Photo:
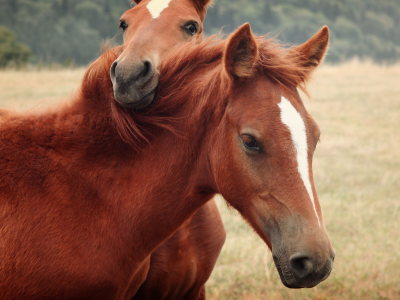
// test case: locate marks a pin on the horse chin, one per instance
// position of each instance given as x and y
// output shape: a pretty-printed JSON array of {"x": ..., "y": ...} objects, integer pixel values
[
  {"x": 286, "y": 282},
  {"x": 291, "y": 283},
  {"x": 142, "y": 103}
]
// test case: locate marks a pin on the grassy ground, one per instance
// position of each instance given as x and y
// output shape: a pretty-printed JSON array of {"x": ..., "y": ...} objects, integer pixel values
[
  {"x": 357, "y": 176},
  {"x": 22, "y": 90}
]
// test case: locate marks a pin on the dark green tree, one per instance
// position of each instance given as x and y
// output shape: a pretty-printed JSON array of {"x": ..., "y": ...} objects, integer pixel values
[{"x": 11, "y": 52}]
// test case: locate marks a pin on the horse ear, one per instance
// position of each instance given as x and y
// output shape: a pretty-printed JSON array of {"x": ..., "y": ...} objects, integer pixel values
[
  {"x": 240, "y": 53},
  {"x": 312, "y": 52},
  {"x": 202, "y": 3},
  {"x": 201, "y": 7}
]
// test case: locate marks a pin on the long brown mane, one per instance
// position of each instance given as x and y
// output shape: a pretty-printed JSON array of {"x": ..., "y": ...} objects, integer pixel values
[
  {"x": 96, "y": 83},
  {"x": 189, "y": 73},
  {"x": 281, "y": 64}
]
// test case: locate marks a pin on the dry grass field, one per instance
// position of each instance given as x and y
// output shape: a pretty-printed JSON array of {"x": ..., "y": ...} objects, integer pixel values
[{"x": 357, "y": 176}]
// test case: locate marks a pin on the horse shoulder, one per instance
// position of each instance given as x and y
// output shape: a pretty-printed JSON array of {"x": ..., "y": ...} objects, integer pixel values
[
  {"x": 208, "y": 235},
  {"x": 181, "y": 265}
]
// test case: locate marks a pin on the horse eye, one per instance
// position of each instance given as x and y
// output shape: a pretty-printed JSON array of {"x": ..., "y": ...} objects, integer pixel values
[
  {"x": 123, "y": 25},
  {"x": 250, "y": 142},
  {"x": 191, "y": 28}
]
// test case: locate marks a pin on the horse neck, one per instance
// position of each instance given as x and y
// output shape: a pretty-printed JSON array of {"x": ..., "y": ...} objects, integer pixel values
[
  {"x": 80, "y": 129},
  {"x": 173, "y": 175},
  {"x": 83, "y": 128}
]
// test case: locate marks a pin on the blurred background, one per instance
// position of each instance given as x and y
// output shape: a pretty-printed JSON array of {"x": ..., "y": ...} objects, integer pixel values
[
  {"x": 355, "y": 101},
  {"x": 71, "y": 31}
]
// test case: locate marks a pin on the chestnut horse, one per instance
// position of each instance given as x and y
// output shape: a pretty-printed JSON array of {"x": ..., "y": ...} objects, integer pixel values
[
  {"x": 81, "y": 212},
  {"x": 152, "y": 28}
]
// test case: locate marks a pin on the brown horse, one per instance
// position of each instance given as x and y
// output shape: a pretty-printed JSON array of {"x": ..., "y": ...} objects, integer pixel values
[
  {"x": 269, "y": 181},
  {"x": 192, "y": 251},
  {"x": 80, "y": 212}
]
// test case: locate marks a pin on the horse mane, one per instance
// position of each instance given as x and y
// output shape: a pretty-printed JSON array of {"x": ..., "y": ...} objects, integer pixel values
[
  {"x": 283, "y": 65},
  {"x": 280, "y": 64},
  {"x": 96, "y": 82},
  {"x": 97, "y": 88}
]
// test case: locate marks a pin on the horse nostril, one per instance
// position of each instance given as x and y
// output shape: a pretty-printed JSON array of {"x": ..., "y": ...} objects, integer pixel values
[
  {"x": 146, "y": 73},
  {"x": 147, "y": 66},
  {"x": 112, "y": 72},
  {"x": 301, "y": 264}
]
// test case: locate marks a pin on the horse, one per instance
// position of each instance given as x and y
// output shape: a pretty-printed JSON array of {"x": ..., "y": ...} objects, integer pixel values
[
  {"x": 279, "y": 140},
  {"x": 81, "y": 212},
  {"x": 192, "y": 251}
]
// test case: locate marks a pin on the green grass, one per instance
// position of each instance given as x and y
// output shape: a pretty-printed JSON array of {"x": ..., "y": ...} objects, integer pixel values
[{"x": 356, "y": 172}]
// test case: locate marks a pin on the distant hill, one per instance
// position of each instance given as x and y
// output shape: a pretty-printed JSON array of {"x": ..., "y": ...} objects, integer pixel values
[{"x": 62, "y": 30}]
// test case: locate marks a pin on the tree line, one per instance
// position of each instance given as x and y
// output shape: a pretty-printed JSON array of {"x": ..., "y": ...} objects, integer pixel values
[{"x": 72, "y": 30}]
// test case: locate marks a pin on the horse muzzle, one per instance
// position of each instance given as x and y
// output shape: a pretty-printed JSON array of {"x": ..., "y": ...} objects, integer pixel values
[
  {"x": 134, "y": 84},
  {"x": 303, "y": 269}
]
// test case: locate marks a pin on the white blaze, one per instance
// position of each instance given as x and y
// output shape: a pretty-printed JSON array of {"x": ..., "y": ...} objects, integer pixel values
[
  {"x": 155, "y": 7},
  {"x": 292, "y": 119}
]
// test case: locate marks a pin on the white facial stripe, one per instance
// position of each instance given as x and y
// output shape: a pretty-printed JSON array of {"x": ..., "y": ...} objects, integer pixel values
[
  {"x": 155, "y": 7},
  {"x": 292, "y": 119}
]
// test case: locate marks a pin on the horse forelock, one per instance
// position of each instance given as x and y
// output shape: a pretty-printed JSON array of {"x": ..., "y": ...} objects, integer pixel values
[{"x": 282, "y": 65}]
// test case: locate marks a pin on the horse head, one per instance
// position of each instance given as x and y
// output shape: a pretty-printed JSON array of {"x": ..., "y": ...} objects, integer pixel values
[
  {"x": 151, "y": 28},
  {"x": 262, "y": 152}
]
